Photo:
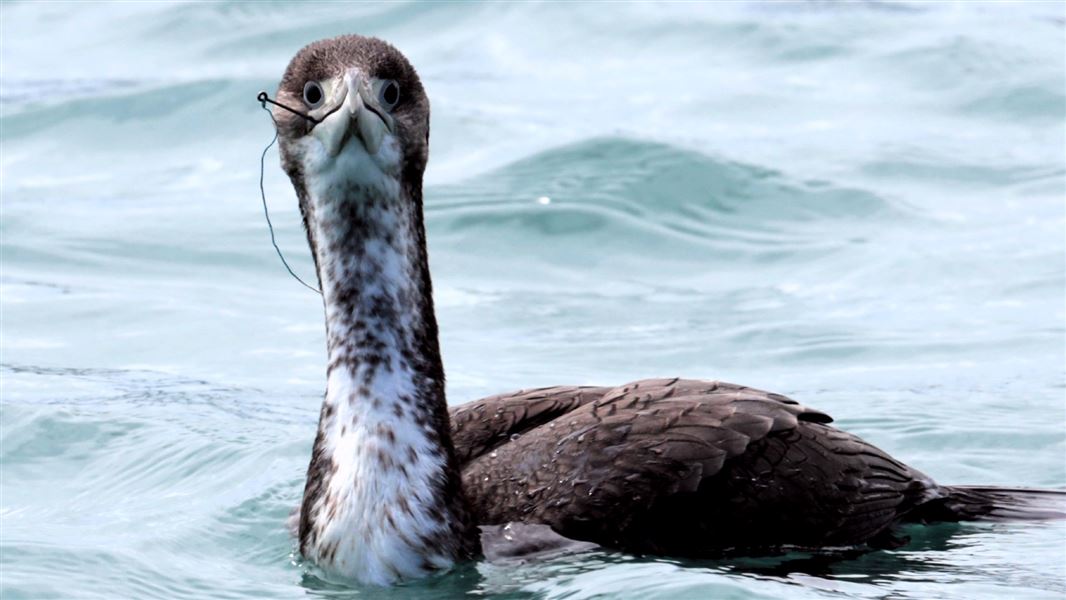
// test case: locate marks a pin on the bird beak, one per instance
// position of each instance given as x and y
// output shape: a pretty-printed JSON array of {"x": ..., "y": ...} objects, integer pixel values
[{"x": 355, "y": 112}]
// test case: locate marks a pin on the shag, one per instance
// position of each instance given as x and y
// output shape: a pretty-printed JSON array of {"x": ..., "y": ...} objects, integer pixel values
[{"x": 399, "y": 484}]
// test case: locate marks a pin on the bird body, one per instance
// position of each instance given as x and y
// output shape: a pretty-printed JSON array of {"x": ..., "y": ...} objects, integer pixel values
[
  {"x": 398, "y": 485},
  {"x": 689, "y": 468}
]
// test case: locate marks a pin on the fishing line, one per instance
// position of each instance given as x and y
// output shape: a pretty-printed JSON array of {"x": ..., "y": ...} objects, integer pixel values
[{"x": 263, "y": 99}]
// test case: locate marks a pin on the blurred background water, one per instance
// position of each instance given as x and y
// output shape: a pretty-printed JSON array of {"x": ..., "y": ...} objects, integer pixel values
[{"x": 860, "y": 205}]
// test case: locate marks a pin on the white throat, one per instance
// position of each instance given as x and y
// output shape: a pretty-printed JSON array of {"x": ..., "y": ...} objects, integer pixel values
[{"x": 375, "y": 508}]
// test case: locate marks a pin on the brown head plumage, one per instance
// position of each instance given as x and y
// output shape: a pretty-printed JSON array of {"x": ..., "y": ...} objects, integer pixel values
[{"x": 321, "y": 80}]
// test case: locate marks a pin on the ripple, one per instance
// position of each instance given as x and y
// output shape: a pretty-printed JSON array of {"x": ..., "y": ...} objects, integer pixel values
[
  {"x": 629, "y": 195},
  {"x": 856, "y": 204}
]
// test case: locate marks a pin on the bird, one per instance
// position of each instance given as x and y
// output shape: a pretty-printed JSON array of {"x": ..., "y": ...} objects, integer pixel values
[{"x": 399, "y": 484}]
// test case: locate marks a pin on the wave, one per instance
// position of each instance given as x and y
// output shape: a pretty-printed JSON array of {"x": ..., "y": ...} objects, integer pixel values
[{"x": 628, "y": 193}]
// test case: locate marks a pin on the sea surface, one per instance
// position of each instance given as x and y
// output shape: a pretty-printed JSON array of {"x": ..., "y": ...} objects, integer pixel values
[{"x": 860, "y": 205}]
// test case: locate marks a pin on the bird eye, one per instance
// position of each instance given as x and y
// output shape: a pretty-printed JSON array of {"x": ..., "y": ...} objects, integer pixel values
[
  {"x": 313, "y": 94},
  {"x": 389, "y": 94}
]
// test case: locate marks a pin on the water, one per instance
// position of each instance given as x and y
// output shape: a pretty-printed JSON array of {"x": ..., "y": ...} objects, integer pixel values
[{"x": 858, "y": 205}]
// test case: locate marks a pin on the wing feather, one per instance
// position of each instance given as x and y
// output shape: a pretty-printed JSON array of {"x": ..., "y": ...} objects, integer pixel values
[{"x": 681, "y": 464}]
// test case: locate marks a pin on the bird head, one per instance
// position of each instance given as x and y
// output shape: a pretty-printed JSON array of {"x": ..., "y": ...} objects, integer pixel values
[{"x": 371, "y": 127}]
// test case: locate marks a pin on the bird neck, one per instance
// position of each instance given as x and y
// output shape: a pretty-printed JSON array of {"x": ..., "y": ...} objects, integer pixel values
[{"x": 383, "y": 499}]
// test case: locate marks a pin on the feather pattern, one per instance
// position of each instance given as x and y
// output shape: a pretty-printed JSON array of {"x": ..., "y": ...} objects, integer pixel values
[{"x": 678, "y": 466}]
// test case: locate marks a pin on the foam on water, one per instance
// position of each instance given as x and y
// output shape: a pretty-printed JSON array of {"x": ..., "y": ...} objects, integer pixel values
[{"x": 860, "y": 205}]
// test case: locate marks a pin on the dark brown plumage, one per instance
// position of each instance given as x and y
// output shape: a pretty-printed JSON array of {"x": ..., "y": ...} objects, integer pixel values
[
  {"x": 397, "y": 484},
  {"x": 700, "y": 468},
  {"x": 679, "y": 467}
]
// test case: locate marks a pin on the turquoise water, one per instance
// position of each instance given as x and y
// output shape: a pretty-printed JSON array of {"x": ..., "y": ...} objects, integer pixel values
[{"x": 860, "y": 205}]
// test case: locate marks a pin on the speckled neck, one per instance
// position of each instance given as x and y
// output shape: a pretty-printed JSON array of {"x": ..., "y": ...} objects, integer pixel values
[
  {"x": 383, "y": 498},
  {"x": 370, "y": 254}
]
